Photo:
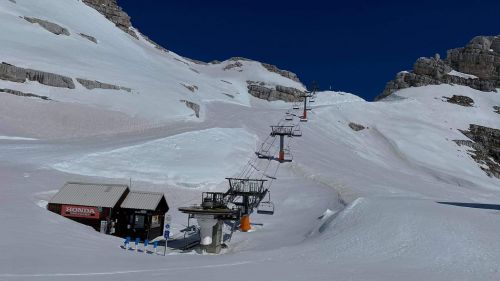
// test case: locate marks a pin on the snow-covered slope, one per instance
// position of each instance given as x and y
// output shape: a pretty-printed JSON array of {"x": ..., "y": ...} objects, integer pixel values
[
  {"x": 353, "y": 205},
  {"x": 159, "y": 80}
]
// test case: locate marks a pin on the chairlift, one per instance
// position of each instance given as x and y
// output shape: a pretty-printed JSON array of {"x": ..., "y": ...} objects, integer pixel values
[
  {"x": 289, "y": 118},
  {"x": 266, "y": 207},
  {"x": 269, "y": 177},
  {"x": 302, "y": 119},
  {"x": 297, "y": 133},
  {"x": 296, "y": 105}
]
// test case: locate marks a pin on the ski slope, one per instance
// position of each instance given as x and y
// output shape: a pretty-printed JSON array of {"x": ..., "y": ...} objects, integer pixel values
[{"x": 351, "y": 206}]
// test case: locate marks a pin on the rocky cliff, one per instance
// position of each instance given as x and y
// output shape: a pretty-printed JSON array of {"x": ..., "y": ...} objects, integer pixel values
[
  {"x": 114, "y": 13},
  {"x": 477, "y": 65}
]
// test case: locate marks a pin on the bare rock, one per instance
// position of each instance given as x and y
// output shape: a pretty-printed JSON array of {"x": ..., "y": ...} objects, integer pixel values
[
  {"x": 92, "y": 84},
  {"x": 356, "y": 127},
  {"x": 485, "y": 143},
  {"x": 194, "y": 106},
  {"x": 497, "y": 109},
  {"x": 114, "y": 13},
  {"x": 460, "y": 100},
  {"x": 13, "y": 1},
  {"x": 17, "y": 74},
  {"x": 287, "y": 94},
  {"x": 192, "y": 88},
  {"x": 284, "y": 73},
  {"x": 480, "y": 57},
  {"x": 21, "y": 94},
  {"x": 49, "y": 26},
  {"x": 432, "y": 67},
  {"x": 88, "y": 37},
  {"x": 236, "y": 64}
]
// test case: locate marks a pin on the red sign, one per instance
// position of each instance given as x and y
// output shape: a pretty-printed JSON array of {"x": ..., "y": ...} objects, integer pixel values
[{"x": 80, "y": 211}]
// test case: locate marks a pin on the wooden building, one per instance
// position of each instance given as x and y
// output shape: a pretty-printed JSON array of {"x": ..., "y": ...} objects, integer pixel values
[
  {"x": 112, "y": 208},
  {"x": 142, "y": 214}
]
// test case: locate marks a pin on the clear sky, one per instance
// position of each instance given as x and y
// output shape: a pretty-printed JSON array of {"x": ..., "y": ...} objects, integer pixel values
[{"x": 354, "y": 46}]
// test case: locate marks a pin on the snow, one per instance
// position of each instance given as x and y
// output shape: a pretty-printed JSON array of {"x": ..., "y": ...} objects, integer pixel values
[
  {"x": 14, "y": 138},
  {"x": 182, "y": 160},
  {"x": 351, "y": 206},
  {"x": 463, "y": 75}
]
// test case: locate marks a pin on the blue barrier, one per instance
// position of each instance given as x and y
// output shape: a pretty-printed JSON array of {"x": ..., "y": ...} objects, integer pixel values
[
  {"x": 126, "y": 242},
  {"x": 137, "y": 241}
]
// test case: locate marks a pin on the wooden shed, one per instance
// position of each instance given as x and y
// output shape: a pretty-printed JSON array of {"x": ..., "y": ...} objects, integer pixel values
[
  {"x": 142, "y": 214},
  {"x": 112, "y": 208}
]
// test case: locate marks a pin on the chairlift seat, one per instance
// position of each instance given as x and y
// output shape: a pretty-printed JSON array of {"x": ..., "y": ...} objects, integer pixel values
[{"x": 266, "y": 208}]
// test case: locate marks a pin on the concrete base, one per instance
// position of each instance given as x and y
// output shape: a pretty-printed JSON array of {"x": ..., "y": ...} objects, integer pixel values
[{"x": 216, "y": 245}]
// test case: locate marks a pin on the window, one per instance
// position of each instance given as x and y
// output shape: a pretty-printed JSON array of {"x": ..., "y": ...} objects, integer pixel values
[{"x": 139, "y": 221}]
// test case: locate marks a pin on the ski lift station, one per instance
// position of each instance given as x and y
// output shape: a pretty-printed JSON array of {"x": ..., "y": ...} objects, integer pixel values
[{"x": 112, "y": 208}]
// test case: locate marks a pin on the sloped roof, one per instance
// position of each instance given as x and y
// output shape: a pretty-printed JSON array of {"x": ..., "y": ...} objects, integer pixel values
[
  {"x": 89, "y": 194},
  {"x": 142, "y": 200}
]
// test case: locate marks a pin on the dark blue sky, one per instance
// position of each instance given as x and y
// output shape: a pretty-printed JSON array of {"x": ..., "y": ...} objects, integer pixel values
[{"x": 354, "y": 45}]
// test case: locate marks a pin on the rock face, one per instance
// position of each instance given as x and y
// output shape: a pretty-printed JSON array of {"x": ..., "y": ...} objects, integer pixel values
[
  {"x": 114, "y": 13},
  {"x": 284, "y": 73},
  {"x": 49, "y": 26},
  {"x": 21, "y": 94},
  {"x": 88, "y": 37},
  {"x": 480, "y": 58},
  {"x": 236, "y": 64},
  {"x": 90, "y": 85},
  {"x": 356, "y": 127},
  {"x": 287, "y": 94},
  {"x": 16, "y": 74},
  {"x": 192, "y": 88},
  {"x": 497, "y": 109},
  {"x": 194, "y": 106},
  {"x": 486, "y": 144},
  {"x": 461, "y": 100}
]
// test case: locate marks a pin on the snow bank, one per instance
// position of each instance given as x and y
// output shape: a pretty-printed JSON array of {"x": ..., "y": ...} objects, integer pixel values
[{"x": 194, "y": 159}]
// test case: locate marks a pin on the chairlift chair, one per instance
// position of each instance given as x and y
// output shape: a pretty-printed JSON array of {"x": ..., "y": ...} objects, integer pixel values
[
  {"x": 297, "y": 133},
  {"x": 289, "y": 118},
  {"x": 296, "y": 105},
  {"x": 266, "y": 207}
]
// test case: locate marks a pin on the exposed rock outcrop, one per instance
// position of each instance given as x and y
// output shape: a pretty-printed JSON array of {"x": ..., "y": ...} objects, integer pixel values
[
  {"x": 460, "y": 100},
  {"x": 356, "y": 127},
  {"x": 194, "y": 106},
  {"x": 88, "y": 37},
  {"x": 261, "y": 91},
  {"x": 192, "y": 88},
  {"x": 480, "y": 57},
  {"x": 92, "y": 84},
  {"x": 284, "y": 73},
  {"x": 21, "y": 94},
  {"x": 497, "y": 109},
  {"x": 114, "y": 13},
  {"x": 49, "y": 26},
  {"x": 485, "y": 143},
  {"x": 477, "y": 66},
  {"x": 19, "y": 75},
  {"x": 236, "y": 64}
]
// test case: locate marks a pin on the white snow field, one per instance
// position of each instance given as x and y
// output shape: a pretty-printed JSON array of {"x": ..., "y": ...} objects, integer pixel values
[{"x": 351, "y": 206}]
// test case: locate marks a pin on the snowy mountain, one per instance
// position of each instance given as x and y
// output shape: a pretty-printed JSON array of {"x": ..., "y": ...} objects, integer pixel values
[{"x": 400, "y": 189}]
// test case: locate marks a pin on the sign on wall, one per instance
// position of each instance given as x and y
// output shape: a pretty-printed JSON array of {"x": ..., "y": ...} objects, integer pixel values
[{"x": 80, "y": 212}]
